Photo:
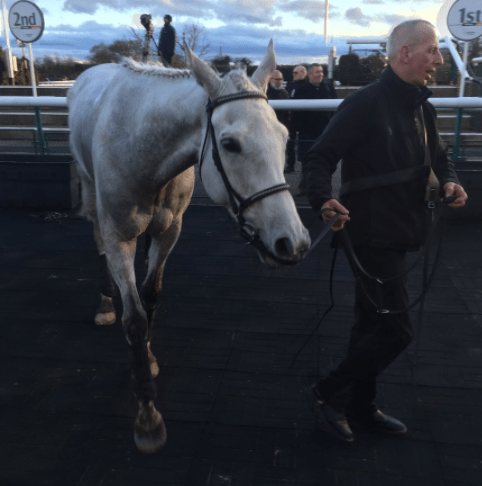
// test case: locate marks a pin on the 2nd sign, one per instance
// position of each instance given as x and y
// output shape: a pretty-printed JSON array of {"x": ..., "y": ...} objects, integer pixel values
[
  {"x": 26, "y": 21},
  {"x": 464, "y": 19}
]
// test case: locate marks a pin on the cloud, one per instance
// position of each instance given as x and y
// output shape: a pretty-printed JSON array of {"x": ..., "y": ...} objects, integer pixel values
[
  {"x": 356, "y": 16},
  {"x": 373, "y": 2},
  {"x": 310, "y": 10},
  {"x": 393, "y": 19},
  {"x": 247, "y": 11}
]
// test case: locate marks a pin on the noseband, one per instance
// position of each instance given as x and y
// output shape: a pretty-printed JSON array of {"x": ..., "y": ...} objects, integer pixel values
[{"x": 238, "y": 204}]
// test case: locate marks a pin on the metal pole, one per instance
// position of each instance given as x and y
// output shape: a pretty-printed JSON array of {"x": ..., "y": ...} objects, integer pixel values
[
  {"x": 327, "y": 7},
  {"x": 8, "y": 50},
  {"x": 458, "y": 121},
  {"x": 464, "y": 71},
  {"x": 41, "y": 142}
]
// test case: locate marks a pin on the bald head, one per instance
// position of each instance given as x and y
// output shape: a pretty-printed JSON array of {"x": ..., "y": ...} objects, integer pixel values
[
  {"x": 408, "y": 33},
  {"x": 413, "y": 51},
  {"x": 299, "y": 72},
  {"x": 276, "y": 79}
]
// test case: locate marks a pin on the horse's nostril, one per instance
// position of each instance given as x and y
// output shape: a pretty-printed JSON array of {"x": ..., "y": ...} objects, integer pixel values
[{"x": 284, "y": 248}]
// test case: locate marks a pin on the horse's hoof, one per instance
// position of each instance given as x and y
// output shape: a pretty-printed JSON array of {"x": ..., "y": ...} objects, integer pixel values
[
  {"x": 150, "y": 436},
  {"x": 104, "y": 319}
]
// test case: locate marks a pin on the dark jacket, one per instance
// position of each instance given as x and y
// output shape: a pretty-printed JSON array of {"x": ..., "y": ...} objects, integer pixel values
[
  {"x": 310, "y": 124},
  {"x": 167, "y": 40},
  {"x": 374, "y": 132},
  {"x": 292, "y": 86},
  {"x": 279, "y": 94}
]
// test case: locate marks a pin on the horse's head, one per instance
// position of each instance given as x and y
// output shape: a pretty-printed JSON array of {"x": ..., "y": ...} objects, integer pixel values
[{"x": 242, "y": 160}]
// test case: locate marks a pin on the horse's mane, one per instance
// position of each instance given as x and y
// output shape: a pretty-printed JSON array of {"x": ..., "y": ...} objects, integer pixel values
[
  {"x": 155, "y": 69},
  {"x": 236, "y": 79}
]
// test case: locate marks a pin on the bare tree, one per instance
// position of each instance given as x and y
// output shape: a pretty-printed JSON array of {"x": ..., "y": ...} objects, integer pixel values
[
  {"x": 103, "y": 53},
  {"x": 195, "y": 37}
]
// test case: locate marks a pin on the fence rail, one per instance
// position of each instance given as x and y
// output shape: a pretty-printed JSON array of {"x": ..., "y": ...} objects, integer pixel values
[{"x": 305, "y": 105}]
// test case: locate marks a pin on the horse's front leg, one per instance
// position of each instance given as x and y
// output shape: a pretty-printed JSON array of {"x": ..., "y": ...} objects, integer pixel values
[
  {"x": 150, "y": 432},
  {"x": 160, "y": 247}
]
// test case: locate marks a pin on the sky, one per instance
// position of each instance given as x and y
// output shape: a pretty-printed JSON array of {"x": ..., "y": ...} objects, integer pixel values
[{"x": 238, "y": 28}]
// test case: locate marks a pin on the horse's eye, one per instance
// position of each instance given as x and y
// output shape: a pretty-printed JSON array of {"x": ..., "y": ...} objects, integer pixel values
[{"x": 231, "y": 145}]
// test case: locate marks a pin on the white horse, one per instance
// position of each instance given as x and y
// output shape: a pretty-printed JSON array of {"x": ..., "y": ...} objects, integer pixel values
[{"x": 136, "y": 133}]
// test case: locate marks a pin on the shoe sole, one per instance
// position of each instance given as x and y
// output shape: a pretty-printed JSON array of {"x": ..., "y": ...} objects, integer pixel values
[
  {"x": 368, "y": 428},
  {"x": 326, "y": 424}
]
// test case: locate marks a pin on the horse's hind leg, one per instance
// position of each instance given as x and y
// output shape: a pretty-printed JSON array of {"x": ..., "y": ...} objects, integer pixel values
[
  {"x": 160, "y": 247},
  {"x": 105, "y": 314},
  {"x": 150, "y": 432}
]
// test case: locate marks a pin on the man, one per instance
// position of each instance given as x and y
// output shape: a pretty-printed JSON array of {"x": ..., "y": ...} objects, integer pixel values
[
  {"x": 299, "y": 79},
  {"x": 310, "y": 124},
  {"x": 275, "y": 91},
  {"x": 380, "y": 131},
  {"x": 167, "y": 41}
]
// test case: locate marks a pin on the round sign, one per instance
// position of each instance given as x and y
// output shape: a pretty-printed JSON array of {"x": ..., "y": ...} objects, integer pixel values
[
  {"x": 464, "y": 19},
  {"x": 26, "y": 21}
]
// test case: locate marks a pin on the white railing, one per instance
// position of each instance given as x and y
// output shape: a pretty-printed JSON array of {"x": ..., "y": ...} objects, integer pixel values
[
  {"x": 305, "y": 105},
  {"x": 330, "y": 105},
  {"x": 33, "y": 101}
]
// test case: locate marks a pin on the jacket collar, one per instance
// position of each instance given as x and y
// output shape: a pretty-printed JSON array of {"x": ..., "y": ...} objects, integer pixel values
[{"x": 405, "y": 92}]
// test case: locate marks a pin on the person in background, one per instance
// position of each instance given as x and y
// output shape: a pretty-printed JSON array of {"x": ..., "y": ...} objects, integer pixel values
[
  {"x": 386, "y": 136},
  {"x": 167, "y": 41},
  {"x": 310, "y": 124},
  {"x": 275, "y": 91},
  {"x": 299, "y": 79}
]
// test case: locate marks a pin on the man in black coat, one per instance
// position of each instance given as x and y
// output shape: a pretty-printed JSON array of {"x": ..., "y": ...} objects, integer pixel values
[
  {"x": 299, "y": 79},
  {"x": 167, "y": 41},
  {"x": 275, "y": 91},
  {"x": 386, "y": 136},
  {"x": 310, "y": 124}
]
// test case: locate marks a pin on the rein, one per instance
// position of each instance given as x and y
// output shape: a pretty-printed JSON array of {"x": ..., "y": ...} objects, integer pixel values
[
  {"x": 360, "y": 273},
  {"x": 238, "y": 204}
]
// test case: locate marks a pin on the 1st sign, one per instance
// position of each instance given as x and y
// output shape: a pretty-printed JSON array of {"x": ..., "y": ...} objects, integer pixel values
[
  {"x": 26, "y": 21},
  {"x": 464, "y": 19}
]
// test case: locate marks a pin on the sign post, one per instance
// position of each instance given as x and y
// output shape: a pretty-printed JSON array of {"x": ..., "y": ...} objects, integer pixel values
[
  {"x": 27, "y": 24},
  {"x": 464, "y": 20},
  {"x": 8, "y": 50}
]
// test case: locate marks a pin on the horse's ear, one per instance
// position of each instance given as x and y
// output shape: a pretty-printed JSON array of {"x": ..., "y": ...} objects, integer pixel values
[
  {"x": 205, "y": 75},
  {"x": 261, "y": 76}
]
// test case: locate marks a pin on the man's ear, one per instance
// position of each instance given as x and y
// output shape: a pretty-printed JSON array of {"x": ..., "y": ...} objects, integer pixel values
[{"x": 404, "y": 54}]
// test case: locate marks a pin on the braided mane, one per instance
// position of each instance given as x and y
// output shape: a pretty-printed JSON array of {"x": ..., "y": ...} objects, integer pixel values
[{"x": 155, "y": 69}]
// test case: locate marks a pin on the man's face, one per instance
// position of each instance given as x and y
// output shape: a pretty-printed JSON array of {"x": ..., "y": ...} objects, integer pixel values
[
  {"x": 424, "y": 58},
  {"x": 299, "y": 73},
  {"x": 166, "y": 21},
  {"x": 316, "y": 75},
  {"x": 276, "y": 79}
]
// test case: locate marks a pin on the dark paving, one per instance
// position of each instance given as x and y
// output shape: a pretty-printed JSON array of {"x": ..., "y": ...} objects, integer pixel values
[{"x": 237, "y": 412}]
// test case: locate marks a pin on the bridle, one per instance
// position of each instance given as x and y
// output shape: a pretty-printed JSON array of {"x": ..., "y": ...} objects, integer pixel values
[{"x": 238, "y": 204}]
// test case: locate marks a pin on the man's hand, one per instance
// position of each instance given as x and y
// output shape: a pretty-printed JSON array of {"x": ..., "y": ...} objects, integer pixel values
[
  {"x": 336, "y": 207},
  {"x": 452, "y": 189}
]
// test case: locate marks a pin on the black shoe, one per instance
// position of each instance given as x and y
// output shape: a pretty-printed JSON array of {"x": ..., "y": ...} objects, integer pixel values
[
  {"x": 289, "y": 170},
  {"x": 332, "y": 420},
  {"x": 302, "y": 192},
  {"x": 379, "y": 422}
]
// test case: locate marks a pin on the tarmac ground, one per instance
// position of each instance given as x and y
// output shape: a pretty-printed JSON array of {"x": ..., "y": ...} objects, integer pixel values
[{"x": 234, "y": 401}]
